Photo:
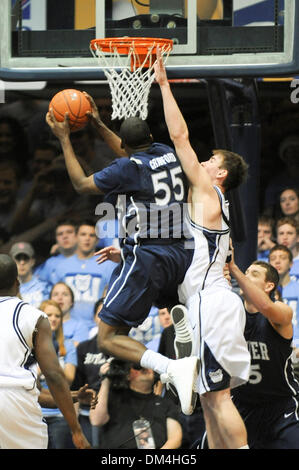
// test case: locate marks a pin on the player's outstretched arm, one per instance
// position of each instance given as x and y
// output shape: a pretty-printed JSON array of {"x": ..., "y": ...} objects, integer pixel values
[
  {"x": 178, "y": 131},
  {"x": 111, "y": 139},
  {"x": 81, "y": 182},
  {"x": 277, "y": 313},
  {"x": 55, "y": 378}
]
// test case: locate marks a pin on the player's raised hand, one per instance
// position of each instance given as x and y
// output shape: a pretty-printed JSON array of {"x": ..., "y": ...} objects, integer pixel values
[
  {"x": 60, "y": 129},
  {"x": 108, "y": 253},
  {"x": 159, "y": 68},
  {"x": 94, "y": 114}
]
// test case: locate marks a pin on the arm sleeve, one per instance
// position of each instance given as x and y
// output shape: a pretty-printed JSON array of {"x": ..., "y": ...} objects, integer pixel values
[{"x": 119, "y": 177}]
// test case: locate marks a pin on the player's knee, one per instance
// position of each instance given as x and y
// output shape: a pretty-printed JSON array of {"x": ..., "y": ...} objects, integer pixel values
[{"x": 213, "y": 401}]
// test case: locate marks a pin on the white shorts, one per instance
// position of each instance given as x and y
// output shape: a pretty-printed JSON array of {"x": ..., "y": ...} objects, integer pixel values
[
  {"x": 21, "y": 424},
  {"x": 217, "y": 317}
]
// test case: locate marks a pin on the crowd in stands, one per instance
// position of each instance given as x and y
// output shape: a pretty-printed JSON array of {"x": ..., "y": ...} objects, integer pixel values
[{"x": 53, "y": 234}]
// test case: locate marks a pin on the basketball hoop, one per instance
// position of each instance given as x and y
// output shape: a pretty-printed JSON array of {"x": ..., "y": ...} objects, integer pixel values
[{"x": 130, "y": 71}]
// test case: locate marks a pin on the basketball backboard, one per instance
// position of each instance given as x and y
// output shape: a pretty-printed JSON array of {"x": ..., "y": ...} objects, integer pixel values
[{"x": 49, "y": 39}]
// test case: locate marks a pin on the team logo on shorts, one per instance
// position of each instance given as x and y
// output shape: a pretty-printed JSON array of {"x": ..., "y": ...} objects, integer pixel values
[{"x": 216, "y": 376}]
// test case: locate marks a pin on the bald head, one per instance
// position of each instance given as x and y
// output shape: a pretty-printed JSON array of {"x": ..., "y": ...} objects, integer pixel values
[
  {"x": 134, "y": 133},
  {"x": 8, "y": 273}
]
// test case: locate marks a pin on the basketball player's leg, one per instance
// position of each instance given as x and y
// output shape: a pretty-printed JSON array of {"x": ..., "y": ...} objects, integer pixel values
[
  {"x": 225, "y": 427},
  {"x": 182, "y": 373},
  {"x": 114, "y": 340}
]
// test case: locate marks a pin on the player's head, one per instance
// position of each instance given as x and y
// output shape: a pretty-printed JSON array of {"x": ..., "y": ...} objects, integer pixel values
[
  {"x": 135, "y": 133},
  {"x": 263, "y": 275},
  {"x": 226, "y": 168},
  {"x": 8, "y": 275}
]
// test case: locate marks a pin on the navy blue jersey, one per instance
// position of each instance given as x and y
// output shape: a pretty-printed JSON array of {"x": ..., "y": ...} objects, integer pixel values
[
  {"x": 271, "y": 375},
  {"x": 152, "y": 188}
]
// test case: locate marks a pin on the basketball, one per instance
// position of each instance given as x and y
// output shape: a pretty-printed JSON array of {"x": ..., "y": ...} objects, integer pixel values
[{"x": 75, "y": 103}]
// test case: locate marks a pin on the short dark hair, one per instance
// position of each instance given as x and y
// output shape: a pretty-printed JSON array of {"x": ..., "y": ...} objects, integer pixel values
[
  {"x": 237, "y": 168},
  {"x": 8, "y": 272},
  {"x": 281, "y": 248},
  {"x": 70, "y": 222},
  {"x": 266, "y": 220},
  {"x": 271, "y": 273},
  {"x": 135, "y": 132},
  {"x": 88, "y": 222}
]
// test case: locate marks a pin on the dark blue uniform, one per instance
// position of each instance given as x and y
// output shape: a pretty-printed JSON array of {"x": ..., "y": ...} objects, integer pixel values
[
  {"x": 268, "y": 402},
  {"x": 152, "y": 189}
]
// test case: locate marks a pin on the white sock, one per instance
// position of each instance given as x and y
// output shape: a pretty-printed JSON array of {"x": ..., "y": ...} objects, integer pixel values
[
  {"x": 243, "y": 447},
  {"x": 154, "y": 360}
]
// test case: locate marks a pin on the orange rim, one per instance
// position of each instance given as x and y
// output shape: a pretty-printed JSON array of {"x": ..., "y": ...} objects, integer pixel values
[{"x": 124, "y": 44}]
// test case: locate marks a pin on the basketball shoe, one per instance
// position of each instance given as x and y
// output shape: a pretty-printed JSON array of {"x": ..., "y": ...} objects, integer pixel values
[
  {"x": 184, "y": 342},
  {"x": 182, "y": 375}
]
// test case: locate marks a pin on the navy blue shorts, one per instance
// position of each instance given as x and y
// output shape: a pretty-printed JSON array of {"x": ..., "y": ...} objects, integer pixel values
[
  {"x": 271, "y": 425},
  {"x": 149, "y": 274}
]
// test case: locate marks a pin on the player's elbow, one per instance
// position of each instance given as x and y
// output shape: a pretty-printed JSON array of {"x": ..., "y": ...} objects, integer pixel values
[{"x": 180, "y": 137}]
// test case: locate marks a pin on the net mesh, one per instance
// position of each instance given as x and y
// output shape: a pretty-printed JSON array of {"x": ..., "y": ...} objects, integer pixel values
[{"x": 130, "y": 78}]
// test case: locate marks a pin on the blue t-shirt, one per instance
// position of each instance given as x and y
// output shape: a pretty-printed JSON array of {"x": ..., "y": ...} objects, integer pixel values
[
  {"x": 290, "y": 296},
  {"x": 35, "y": 291},
  {"x": 87, "y": 279},
  {"x": 294, "y": 272},
  {"x": 149, "y": 330},
  {"x": 150, "y": 190},
  {"x": 75, "y": 330},
  {"x": 45, "y": 271}
]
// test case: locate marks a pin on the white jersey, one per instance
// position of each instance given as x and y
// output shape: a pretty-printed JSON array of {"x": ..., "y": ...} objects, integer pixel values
[
  {"x": 211, "y": 248},
  {"x": 17, "y": 324}
]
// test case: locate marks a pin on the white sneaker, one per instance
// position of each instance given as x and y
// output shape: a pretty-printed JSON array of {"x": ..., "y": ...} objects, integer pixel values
[
  {"x": 184, "y": 342},
  {"x": 182, "y": 374}
]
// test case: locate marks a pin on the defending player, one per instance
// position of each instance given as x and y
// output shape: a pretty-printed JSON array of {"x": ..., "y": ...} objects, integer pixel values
[
  {"x": 154, "y": 258},
  {"x": 215, "y": 312},
  {"x": 268, "y": 403}
]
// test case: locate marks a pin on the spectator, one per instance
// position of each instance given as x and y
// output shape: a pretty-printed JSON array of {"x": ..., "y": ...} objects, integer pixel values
[
  {"x": 58, "y": 431},
  {"x": 50, "y": 195},
  {"x": 289, "y": 203},
  {"x": 265, "y": 237},
  {"x": 14, "y": 142},
  {"x": 282, "y": 259},
  {"x": 32, "y": 289},
  {"x": 287, "y": 230},
  {"x": 9, "y": 182},
  {"x": 149, "y": 329},
  {"x": 125, "y": 396},
  {"x": 73, "y": 329},
  {"x": 289, "y": 177},
  {"x": 81, "y": 272},
  {"x": 43, "y": 157},
  {"x": 66, "y": 244},
  {"x": 90, "y": 359},
  {"x": 95, "y": 153},
  {"x": 165, "y": 321}
]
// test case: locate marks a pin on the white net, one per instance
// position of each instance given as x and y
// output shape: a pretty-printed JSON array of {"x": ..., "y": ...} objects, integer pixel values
[{"x": 129, "y": 80}]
